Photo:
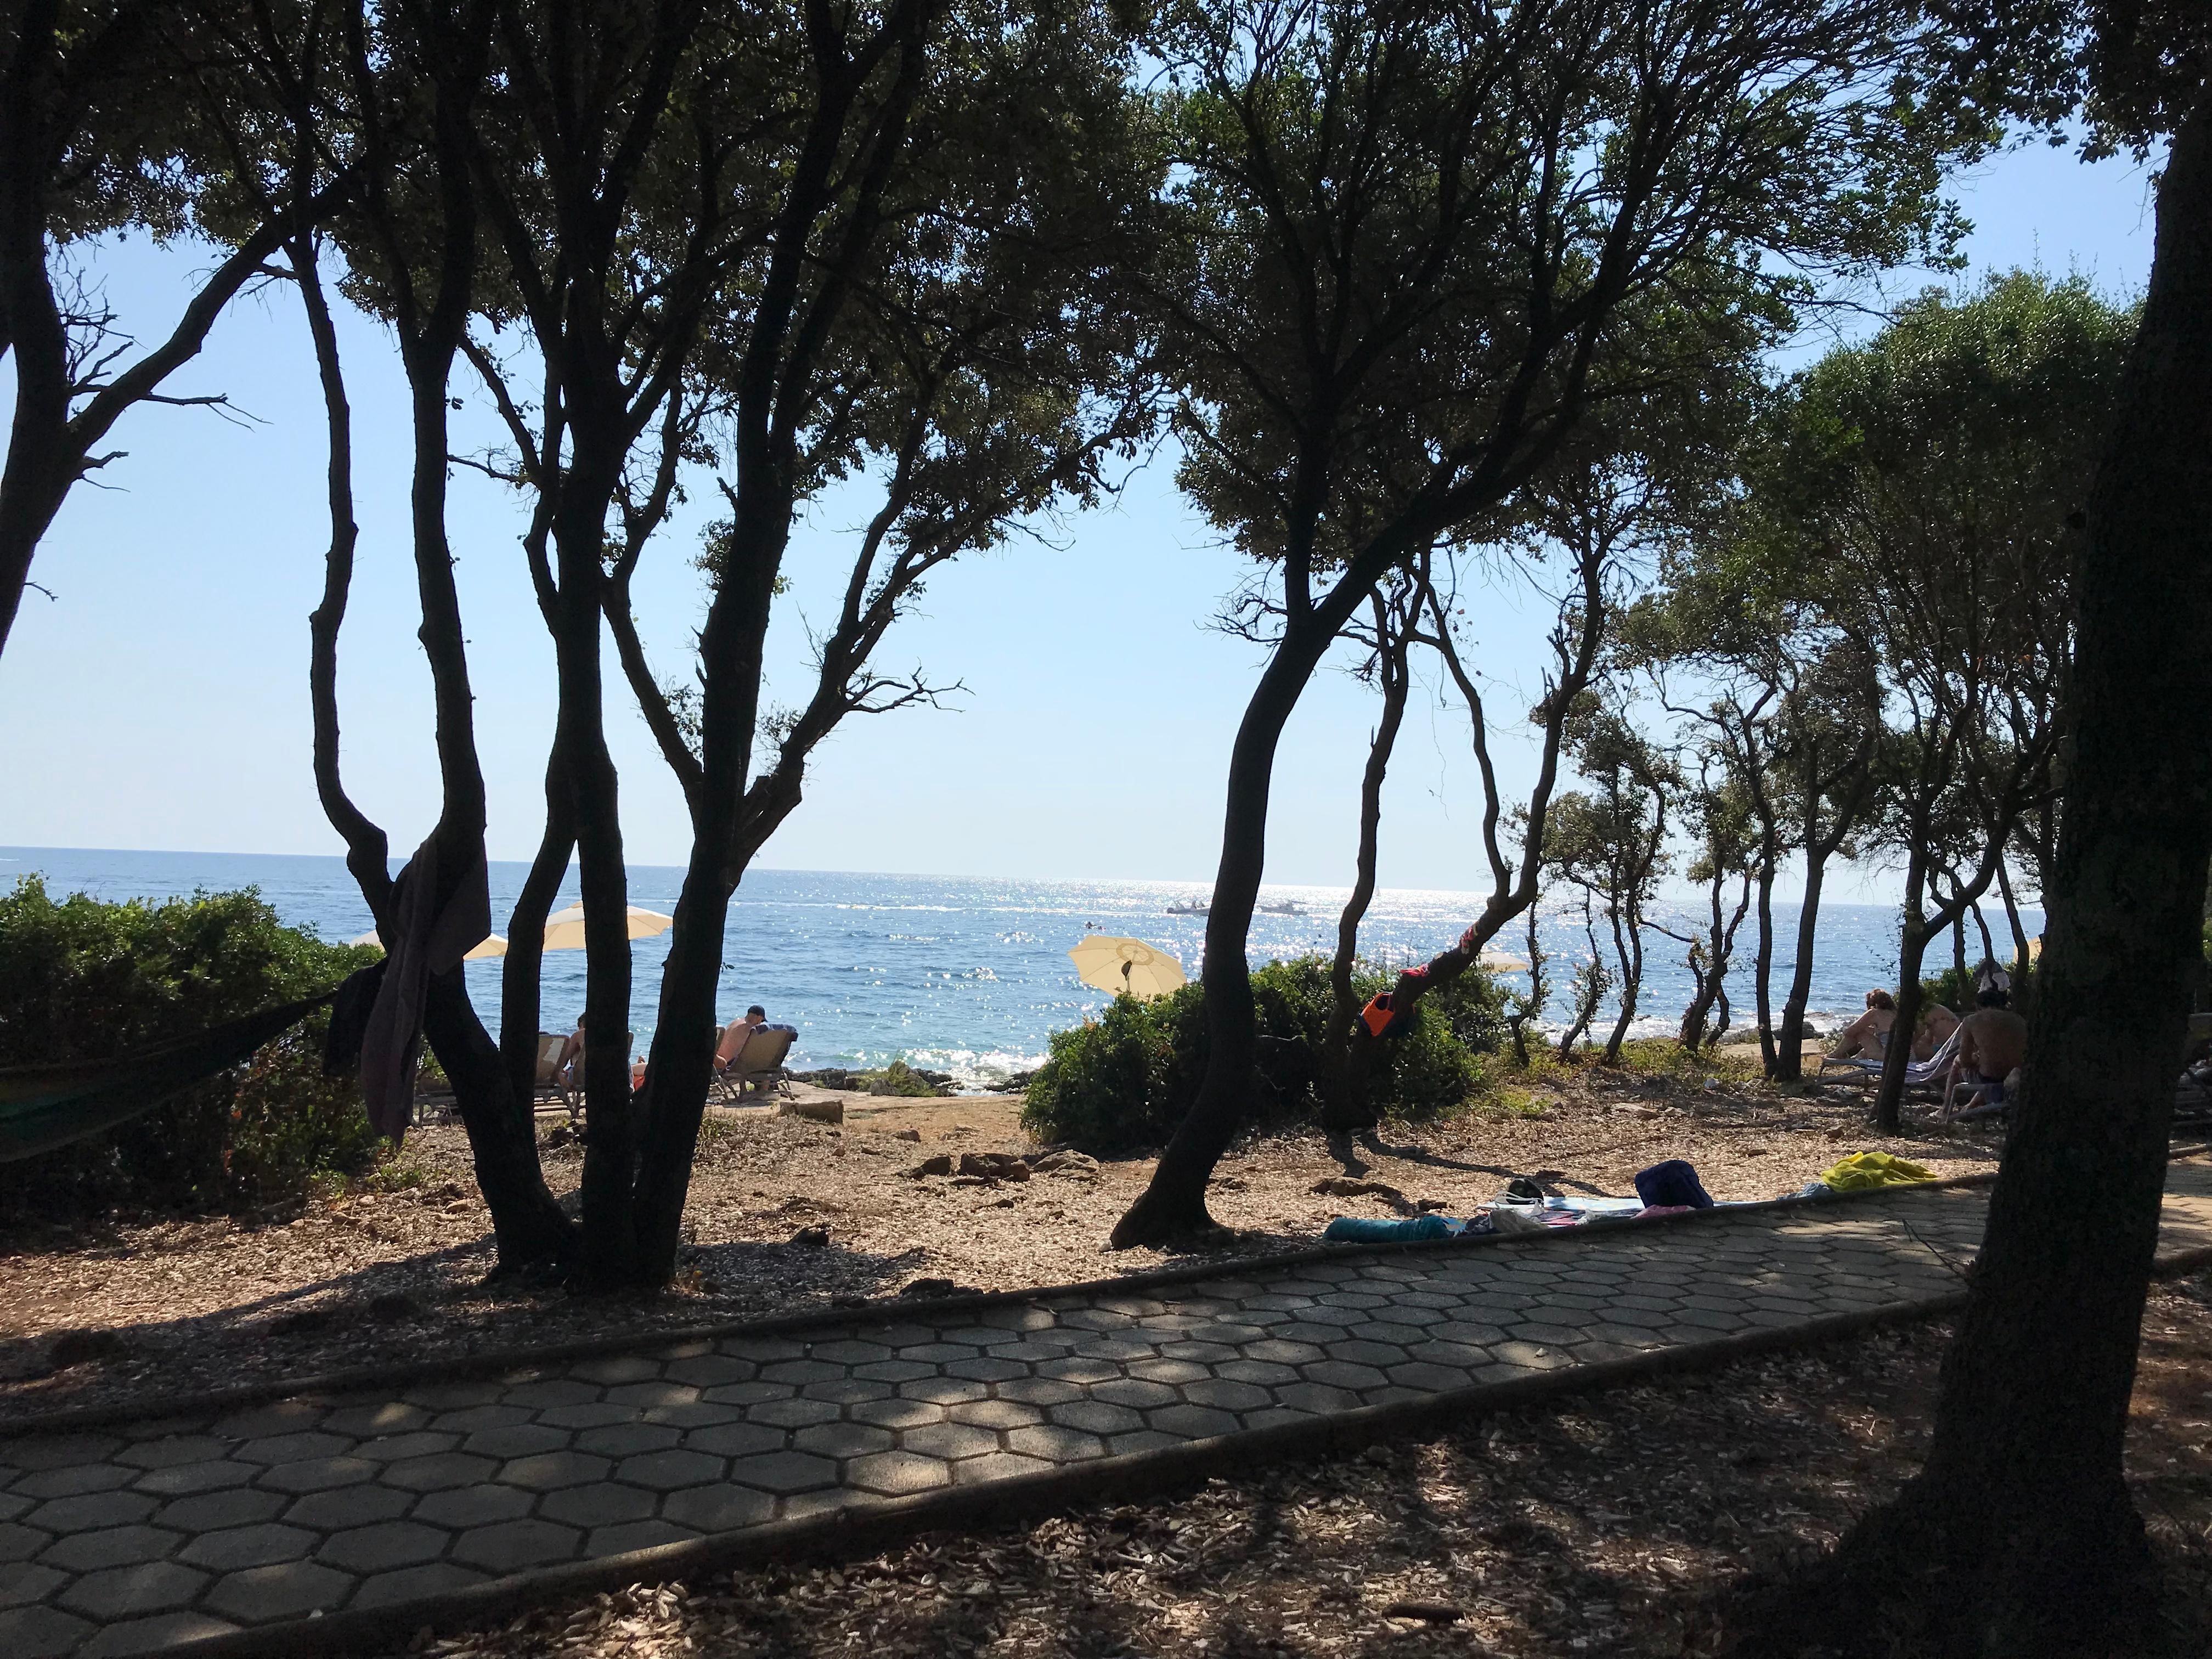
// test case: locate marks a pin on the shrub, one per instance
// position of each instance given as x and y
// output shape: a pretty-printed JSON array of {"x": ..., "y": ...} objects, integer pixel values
[
  {"x": 1123, "y": 1081},
  {"x": 84, "y": 980}
]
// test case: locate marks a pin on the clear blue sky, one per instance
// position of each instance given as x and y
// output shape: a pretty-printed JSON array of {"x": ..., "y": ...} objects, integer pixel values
[{"x": 160, "y": 701}]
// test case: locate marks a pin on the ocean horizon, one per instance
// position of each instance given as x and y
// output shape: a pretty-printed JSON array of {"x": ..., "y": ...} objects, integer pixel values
[{"x": 964, "y": 975}]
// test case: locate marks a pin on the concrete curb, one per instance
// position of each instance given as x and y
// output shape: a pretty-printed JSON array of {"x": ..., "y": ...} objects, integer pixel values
[
  {"x": 1111, "y": 1479},
  {"x": 71, "y": 1419}
]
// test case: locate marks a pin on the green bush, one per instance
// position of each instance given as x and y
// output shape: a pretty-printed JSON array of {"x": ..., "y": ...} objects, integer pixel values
[
  {"x": 84, "y": 980},
  {"x": 1123, "y": 1081}
]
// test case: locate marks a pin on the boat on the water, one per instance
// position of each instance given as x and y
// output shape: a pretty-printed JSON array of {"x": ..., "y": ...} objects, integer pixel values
[
  {"x": 1193, "y": 909},
  {"x": 1286, "y": 908}
]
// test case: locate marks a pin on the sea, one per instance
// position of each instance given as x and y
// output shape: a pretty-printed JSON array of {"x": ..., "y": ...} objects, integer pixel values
[{"x": 957, "y": 974}]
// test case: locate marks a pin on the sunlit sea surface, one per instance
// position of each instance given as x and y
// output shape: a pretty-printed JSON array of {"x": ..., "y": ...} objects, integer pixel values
[{"x": 951, "y": 973}]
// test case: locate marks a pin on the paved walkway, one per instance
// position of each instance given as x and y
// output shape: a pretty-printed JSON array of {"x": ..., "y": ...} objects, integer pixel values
[{"x": 160, "y": 1533}]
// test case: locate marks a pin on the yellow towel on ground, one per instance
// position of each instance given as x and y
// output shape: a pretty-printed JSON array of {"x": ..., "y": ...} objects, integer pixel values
[{"x": 1862, "y": 1171}]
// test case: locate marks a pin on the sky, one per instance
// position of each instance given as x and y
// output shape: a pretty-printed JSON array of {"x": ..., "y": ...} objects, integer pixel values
[{"x": 158, "y": 699}]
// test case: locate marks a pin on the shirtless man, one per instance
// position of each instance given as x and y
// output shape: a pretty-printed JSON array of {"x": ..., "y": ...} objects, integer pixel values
[{"x": 1993, "y": 1042}]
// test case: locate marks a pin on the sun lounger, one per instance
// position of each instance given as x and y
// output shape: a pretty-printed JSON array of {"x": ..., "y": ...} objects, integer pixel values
[
  {"x": 757, "y": 1066},
  {"x": 1918, "y": 1074},
  {"x": 546, "y": 1078}
]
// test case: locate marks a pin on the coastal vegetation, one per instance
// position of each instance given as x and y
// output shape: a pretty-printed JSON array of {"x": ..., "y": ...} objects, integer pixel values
[{"x": 1414, "y": 296}]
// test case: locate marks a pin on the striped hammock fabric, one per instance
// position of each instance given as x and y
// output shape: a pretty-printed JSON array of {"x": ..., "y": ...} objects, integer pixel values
[{"x": 43, "y": 1106}]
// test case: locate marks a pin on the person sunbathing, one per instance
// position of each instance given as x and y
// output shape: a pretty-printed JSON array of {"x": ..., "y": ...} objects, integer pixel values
[
  {"x": 1992, "y": 1043},
  {"x": 1866, "y": 1037},
  {"x": 732, "y": 1043},
  {"x": 1933, "y": 1030}
]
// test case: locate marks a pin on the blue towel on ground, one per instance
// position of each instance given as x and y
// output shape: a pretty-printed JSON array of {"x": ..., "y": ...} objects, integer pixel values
[{"x": 1357, "y": 1230}]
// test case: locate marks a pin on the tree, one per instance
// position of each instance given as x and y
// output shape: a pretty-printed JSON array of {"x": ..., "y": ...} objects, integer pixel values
[
  {"x": 1936, "y": 469},
  {"x": 1718, "y": 808},
  {"x": 872, "y": 245},
  {"x": 2019, "y": 1535},
  {"x": 1422, "y": 239},
  {"x": 115, "y": 115},
  {"x": 410, "y": 78},
  {"x": 1612, "y": 842}
]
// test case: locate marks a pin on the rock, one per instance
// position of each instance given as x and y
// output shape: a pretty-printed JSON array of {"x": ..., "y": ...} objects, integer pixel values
[
  {"x": 972, "y": 1181},
  {"x": 906, "y": 1134},
  {"x": 811, "y": 1238},
  {"x": 1432, "y": 1612},
  {"x": 940, "y": 1164},
  {"x": 85, "y": 1347},
  {"x": 1076, "y": 1165},
  {"x": 820, "y": 1111},
  {"x": 995, "y": 1166}
]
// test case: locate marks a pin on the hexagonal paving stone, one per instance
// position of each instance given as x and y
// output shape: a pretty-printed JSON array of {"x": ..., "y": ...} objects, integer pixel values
[
  {"x": 636, "y": 1536},
  {"x": 1050, "y": 1441},
  {"x": 208, "y": 1475},
  {"x": 318, "y": 1474},
  {"x": 1226, "y": 1395},
  {"x": 707, "y": 1371},
  {"x": 516, "y": 1440},
  {"x": 906, "y": 1414},
  {"x": 784, "y": 1471},
  {"x": 125, "y": 1592},
  {"x": 842, "y": 1440},
  {"x": 384, "y": 1547},
  {"x": 292, "y": 1447},
  {"x": 718, "y": 1508},
  {"x": 21, "y": 1543},
  {"x": 600, "y": 1503},
  {"x": 349, "y": 1507},
  {"x": 1135, "y": 1393},
  {"x": 73, "y": 1479},
  {"x": 793, "y": 1413},
  {"x": 22, "y": 1583},
  {"x": 291, "y": 1590},
  {"x": 111, "y": 1547},
  {"x": 82, "y": 1514},
  {"x": 625, "y": 1439},
  {"x": 395, "y": 1448},
  {"x": 665, "y": 1471},
  {"x": 617, "y": 1369},
  {"x": 259, "y": 1546},
  {"x": 510, "y": 1546},
  {"x": 475, "y": 1506},
  {"x": 950, "y": 1440},
  {"x": 549, "y": 1471},
  {"x": 738, "y": 1439},
  {"x": 895, "y": 1473},
  {"x": 847, "y": 1391},
  {"x": 1097, "y": 1417},
  {"x": 656, "y": 1393},
  {"x": 378, "y": 1416},
  {"x": 1191, "y": 1422}
]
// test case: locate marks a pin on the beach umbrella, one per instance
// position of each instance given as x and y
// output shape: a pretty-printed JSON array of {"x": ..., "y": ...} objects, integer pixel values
[
  {"x": 1145, "y": 971},
  {"x": 564, "y": 929},
  {"x": 1504, "y": 961},
  {"x": 491, "y": 945}
]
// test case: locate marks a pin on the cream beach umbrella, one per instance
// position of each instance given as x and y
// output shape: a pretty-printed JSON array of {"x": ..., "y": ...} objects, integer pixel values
[
  {"x": 1145, "y": 971},
  {"x": 1504, "y": 961},
  {"x": 491, "y": 945},
  {"x": 564, "y": 929}
]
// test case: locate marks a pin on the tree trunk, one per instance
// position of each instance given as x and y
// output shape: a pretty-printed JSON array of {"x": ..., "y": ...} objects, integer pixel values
[
  {"x": 2023, "y": 967},
  {"x": 1763, "y": 969},
  {"x": 1173, "y": 1204},
  {"x": 1912, "y": 947},
  {"x": 1346, "y": 1107},
  {"x": 2020, "y": 1533},
  {"x": 588, "y": 767},
  {"x": 521, "y": 1007},
  {"x": 37, "y": 471},
  {"x": 528, "y": 1224},
  {"x": 1789, "y": 1056}
]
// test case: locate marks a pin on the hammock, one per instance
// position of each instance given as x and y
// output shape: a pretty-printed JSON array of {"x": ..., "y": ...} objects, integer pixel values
[{"x": 43, "y": 1106}]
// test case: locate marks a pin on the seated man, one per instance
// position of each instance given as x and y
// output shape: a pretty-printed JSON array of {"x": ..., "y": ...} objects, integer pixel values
[
  {"x": 1866, "y": 1037},
  {"x": 568, "y": 1069},
  {"x": 1992, "y": 1043},
  {"x": 733, "y": 1042},
  {"x": 1933, "y": 1030},
  {"x": 734, "y": 1034}
]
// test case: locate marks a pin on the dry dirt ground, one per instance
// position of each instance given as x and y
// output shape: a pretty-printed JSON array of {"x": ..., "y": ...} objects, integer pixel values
[
  {"x": 397, "y": 1262},
  {"x": 1612, "y": 1525}
]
